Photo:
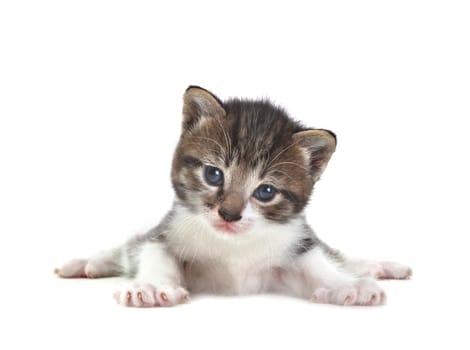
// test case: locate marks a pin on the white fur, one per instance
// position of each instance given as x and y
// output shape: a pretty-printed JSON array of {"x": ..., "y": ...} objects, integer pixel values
[
  {"x": 228, "y": 263},
  {"x": 157, "y": 282},
  {"x": 157, "y": 266},
  {"x": 257, "y": 258},
  {"x": 377, "y": 269},
  {"x": 251, "y": 261},
  {"x": 321, "y": 271},
  {"x": 319, "y": 277}
]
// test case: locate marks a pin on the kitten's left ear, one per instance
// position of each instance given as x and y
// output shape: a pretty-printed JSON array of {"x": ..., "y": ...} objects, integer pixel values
[
  {"x": 200, "y": 103},
  {"x": 319, "y": 146}
]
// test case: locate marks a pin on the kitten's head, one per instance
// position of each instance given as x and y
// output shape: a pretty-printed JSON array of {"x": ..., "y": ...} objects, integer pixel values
[{"x": 243, "y": 162}]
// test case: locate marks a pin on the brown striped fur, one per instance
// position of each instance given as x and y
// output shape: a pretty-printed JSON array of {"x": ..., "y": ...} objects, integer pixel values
[{"x": 252, "y": 141}]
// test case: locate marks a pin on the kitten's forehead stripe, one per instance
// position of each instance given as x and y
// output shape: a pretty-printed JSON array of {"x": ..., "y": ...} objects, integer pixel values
[
  {"x": 235, "y": 134},
  {"x": 257, "y": 128}
]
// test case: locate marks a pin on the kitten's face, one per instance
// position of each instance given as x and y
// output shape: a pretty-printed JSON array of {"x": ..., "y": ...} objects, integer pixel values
[{"x": 240, "y": 163}]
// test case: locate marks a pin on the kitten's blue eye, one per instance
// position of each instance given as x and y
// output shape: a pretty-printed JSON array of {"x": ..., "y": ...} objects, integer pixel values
[
  {"x": 265, "y": 193},
  {"x": 214, "y": 176}
]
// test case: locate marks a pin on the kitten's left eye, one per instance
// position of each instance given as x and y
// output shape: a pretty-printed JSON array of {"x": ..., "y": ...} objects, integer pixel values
[
  {"x": 214, "y": 176},
  {"x": 265, "y": 193}
]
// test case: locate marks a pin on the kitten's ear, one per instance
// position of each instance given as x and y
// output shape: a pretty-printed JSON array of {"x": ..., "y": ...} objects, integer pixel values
[
  {"x": 319, "y": 146},
  {"x": 200, "y": 103}
]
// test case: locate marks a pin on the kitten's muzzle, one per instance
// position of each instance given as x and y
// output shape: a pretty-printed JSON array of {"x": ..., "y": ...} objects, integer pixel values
[{"x": 228, "y": 216}]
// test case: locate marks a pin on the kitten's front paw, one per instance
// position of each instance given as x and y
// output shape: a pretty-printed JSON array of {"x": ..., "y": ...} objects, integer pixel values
[
  {"x": 365, "y": 292},
  {"x": 147, "y": 295}
]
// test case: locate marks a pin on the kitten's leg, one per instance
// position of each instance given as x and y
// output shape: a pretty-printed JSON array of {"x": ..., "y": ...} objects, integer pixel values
[
  {"x": 104, "y": 264},
  {"x": 377, "y": 269},
  {"x": 158, "y": 279},
  {"x": 321, "y": 277}
]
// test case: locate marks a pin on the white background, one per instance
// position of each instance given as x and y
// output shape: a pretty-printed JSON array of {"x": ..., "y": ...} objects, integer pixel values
[{"x": 90, "y": 101}]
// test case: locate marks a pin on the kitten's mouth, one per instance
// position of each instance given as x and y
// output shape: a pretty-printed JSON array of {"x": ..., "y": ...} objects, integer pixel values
[{"x": 227, "y": 227}]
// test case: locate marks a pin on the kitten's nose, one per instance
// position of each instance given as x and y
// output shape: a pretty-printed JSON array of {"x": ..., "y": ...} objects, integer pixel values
[
  {"x": 232, "y": 206},
  {"x": 229, "y": 216}
]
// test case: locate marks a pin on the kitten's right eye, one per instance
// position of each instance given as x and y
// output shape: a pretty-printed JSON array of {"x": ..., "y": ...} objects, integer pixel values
[
  {"x": 214, "y": 176},
  {"x": 265, "y": 193}
]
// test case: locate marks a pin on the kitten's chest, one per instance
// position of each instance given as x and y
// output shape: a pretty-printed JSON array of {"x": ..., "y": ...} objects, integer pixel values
[
  {"x": 219, "y": 263},
  {"x": 224, "y": 277}
]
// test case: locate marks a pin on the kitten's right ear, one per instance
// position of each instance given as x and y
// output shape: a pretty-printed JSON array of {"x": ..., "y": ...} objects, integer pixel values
[{"x": 200, "y": 103}]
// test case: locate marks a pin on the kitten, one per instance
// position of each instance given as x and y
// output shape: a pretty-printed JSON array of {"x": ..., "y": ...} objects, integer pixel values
[{"x": 243, "y": 172}]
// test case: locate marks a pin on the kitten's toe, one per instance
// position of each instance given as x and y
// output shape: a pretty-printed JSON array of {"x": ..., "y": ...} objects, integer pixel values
[
  {"x": 124, "y": 297},
  {"x": 137, "y": 296},
  {"x": 342, "y": 296},
  {"x": 321, "y": 296},
  {"x": 376, "y": 270},
  {"x": 169, "y": 296},
  {"x": 345, "y": 296},
  {"x": 369, "y": 293}
]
